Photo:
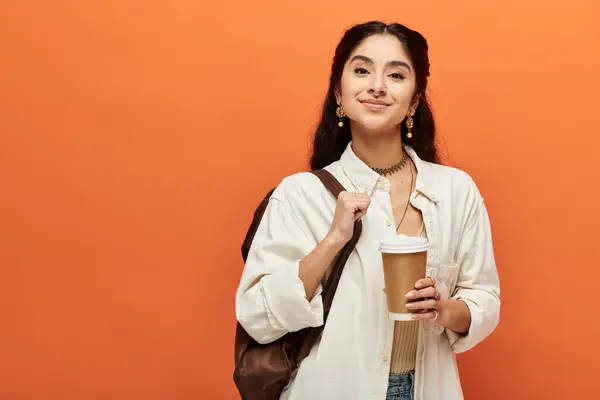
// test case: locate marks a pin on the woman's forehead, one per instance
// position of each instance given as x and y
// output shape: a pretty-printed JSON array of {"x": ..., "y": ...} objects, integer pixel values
[{"x": 381, "y": 49}]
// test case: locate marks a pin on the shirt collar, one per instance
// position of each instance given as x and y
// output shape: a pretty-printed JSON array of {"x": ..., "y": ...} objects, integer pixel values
[
  {"x": 363, "y": 178},
  {"x": 424, "y": 184}
]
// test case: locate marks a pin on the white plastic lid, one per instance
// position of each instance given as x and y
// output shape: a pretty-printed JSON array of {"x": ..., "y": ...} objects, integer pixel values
[{"x": 402, "y": 244}]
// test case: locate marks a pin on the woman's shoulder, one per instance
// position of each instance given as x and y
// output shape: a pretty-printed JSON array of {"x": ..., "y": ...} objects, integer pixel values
[
  {"x": 299, "y": 185},
  {"x": 453, "y": 174},
  {"x": 451, "y": 181}
]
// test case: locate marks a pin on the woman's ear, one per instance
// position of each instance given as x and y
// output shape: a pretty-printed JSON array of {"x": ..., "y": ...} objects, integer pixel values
[
  {"x": 415, "y": 104},
  {"x": 338, "y": 96}
]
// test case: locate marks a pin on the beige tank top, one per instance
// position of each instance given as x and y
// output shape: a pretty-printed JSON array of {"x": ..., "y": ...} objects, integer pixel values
[{"x": 406, "y": 340}]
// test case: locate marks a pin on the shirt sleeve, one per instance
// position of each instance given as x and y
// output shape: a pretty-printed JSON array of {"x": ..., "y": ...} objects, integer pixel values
[
  {"x": 271, "y": 299},
  {"x": 478, "y": 283}
]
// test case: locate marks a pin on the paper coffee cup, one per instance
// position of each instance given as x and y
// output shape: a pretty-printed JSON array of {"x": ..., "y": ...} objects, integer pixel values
[{"x": 404, "y": 263}]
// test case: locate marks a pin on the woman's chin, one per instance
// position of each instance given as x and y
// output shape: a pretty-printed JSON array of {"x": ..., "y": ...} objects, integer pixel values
[{"x": 374, "y": 126}]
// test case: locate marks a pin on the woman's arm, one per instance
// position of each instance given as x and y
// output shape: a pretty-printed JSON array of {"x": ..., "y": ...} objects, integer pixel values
[
  {"x": 271, "y": 299},
  {"x": 473, "y": 310},
  {"x": 349, "y": 208},
  {"x": 280, "y": 289},
  {"x": 478, "y": 285}
]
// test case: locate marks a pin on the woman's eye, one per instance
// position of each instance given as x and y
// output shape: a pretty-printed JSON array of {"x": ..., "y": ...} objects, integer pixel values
[
  {"x": 361, "y": 71},
  {"x": 397, "y": 76}
]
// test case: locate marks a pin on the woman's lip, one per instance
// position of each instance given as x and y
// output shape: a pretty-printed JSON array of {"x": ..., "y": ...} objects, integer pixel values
[
  {"x": 374, "y": 105},
  {"x": 374, "y": 101}
]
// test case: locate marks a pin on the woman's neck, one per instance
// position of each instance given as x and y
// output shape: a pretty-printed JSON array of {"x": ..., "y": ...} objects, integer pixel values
[{"x": 377, "y": 150}]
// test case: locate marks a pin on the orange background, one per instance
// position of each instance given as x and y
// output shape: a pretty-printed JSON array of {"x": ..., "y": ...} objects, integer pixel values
[{"x": 137, "y": 136}]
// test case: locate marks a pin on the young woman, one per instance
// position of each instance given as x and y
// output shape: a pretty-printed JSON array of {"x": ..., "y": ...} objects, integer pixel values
[{"x": 377, "y": 137}]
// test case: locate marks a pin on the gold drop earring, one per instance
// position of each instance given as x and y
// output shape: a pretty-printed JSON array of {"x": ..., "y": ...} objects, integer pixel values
[
  {"x": 409, "y": 124},
  {"x": 340, "y": 114}
]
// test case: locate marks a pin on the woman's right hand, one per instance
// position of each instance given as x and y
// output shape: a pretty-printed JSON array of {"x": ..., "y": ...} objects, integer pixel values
[{"x": 350, "y": 207}]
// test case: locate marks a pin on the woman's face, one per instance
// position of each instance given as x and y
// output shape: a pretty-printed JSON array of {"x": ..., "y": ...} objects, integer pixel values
[{"x": 377, "y": 85}]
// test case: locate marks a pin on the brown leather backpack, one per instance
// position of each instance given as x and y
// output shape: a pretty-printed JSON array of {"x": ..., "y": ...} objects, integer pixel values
[{"x": 262, "y": 371}]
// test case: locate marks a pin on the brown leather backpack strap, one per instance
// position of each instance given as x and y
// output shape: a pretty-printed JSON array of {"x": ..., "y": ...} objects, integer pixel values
[
  {"x": 329, "y": 181},
  {"x": 329, "y": 288},
  {"x": 258, "y": 214}
]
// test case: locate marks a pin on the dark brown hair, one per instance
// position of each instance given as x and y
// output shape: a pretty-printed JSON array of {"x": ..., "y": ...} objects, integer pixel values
[{"x": 330, "y": 140}]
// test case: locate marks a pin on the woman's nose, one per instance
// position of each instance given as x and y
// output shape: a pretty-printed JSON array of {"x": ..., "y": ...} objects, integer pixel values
[{"x": 378, "y": 87}]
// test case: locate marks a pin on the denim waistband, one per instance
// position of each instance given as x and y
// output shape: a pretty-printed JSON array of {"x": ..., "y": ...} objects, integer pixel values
[{"x": 401, "y": 386}]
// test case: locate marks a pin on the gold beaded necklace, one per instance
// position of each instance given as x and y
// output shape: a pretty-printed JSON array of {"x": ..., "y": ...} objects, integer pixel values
[{"x": 394, "y": 168}]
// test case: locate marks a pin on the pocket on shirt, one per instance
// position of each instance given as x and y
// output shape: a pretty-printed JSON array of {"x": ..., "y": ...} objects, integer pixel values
[{"x": 446, "y": 279}]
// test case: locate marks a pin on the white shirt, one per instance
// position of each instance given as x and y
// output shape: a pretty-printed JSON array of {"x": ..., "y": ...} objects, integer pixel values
[{"x": 352, "y": 358}]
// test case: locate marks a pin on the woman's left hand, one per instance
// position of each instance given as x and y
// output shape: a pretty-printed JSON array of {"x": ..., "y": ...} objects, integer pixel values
[
  {"x": 427, "y": 305},
  {"x": 425, "y": 301}
]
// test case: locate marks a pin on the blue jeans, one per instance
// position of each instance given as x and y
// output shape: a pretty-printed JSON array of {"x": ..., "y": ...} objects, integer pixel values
[{"x": 401, "y": 386}]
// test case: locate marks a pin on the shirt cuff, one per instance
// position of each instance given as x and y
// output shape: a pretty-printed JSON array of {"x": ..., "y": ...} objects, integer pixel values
[
  {"x": 285, "y": 302},
  {"x": 463, "y": 342}
]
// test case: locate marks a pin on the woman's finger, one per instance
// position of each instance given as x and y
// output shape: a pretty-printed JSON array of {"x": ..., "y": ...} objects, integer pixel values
[
  {"x": 361, "y": 195},
  {"x": 423, "y": 305},
  {"x": 360, "y": 208},
  {"x": 359, "y": 215},
  {"x": 428, "y": 292},
  {"x": 355, "y": 205},
  {"x": 426, "y": 282},
  {"x": 425, "y": 316}
]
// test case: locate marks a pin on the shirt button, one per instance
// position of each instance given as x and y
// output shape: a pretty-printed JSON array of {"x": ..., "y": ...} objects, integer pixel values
[
  {"x": 388, "y": 222},
  {"x": 386, "y": 358},
  {"x": 381, "y": 185}
]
